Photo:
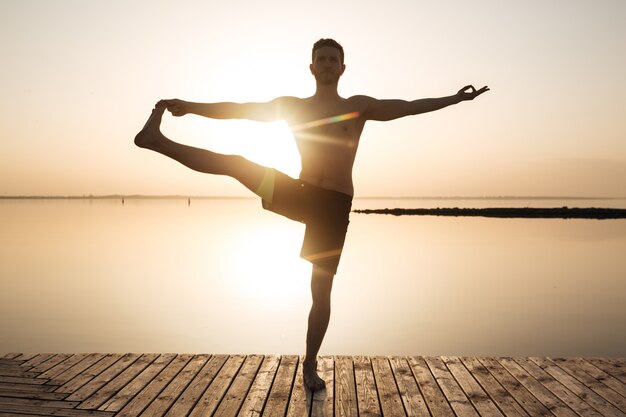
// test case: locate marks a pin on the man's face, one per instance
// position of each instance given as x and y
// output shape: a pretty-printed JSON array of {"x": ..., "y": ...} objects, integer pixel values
[{"x": 327, "y": 66}]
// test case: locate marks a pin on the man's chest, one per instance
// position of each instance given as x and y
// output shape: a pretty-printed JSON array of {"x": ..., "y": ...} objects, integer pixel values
[{"x": 340, "y": 122}]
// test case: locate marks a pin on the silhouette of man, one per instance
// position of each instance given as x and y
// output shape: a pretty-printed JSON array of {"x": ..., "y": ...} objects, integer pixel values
[{"x": 326, "y": 128}]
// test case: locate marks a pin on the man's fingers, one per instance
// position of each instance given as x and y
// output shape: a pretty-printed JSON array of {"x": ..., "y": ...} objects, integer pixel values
[{"x": 482, "y": 90}]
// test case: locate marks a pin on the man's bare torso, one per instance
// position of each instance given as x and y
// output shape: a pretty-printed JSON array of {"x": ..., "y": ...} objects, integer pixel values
[{"x": 327, "y": 133}]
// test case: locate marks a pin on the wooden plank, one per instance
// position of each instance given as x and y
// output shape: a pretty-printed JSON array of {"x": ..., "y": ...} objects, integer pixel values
[
  {"x": 11, "y": 355},
  {"x": 36, "y": 360},
  {"x": 48, "y": 411},
  {"x": 515, "y": 388},
  {"x": 433, "y": 396},
  {"x": 572, "y": 401},
  {"x": 230, "y": 405},
  {"x": 255, "y": 401},
  {"x": 450, "y": 388},
  {"x": 604, "y": 377},
  {"x": 24, "y": 357},
  {"x": 152, "y": 390},
  {"x": 213, "y": 395},
  {"x": 410, "y": 394},
  {"x": 592, "y": 383},
  {"x": 73, "y": 371},
  {"x": 103, "y": 378},
  {"x": 18, "y": 373},
  {"x": 617, "y": 370},
  {"x": 166, "y": 398},
  {"x": 37, "y": 403},
  {"x": 366, "y": 394},
  {"x": 322, "y": 403},
  {"x": 124, "y": 395},
  {"x": 33, "y": 395},
  {"x": 471, "y": 387},
  {"x": 112, "y": 387},
  {"x": 590, "y": 397},
  {"x": 63, "y": 366},
  {"x": 301, "y": 398},
  {"x": 278, "y": 397},
  {"x": 88, "y": 374},
  {"x": 21, "y": 380},
  {"x": 547, "y": 398},
  {"x": 345, "y": 388},
  {"x": 390, "y": 401},
  {"x": 19, "y": 415},
  {"x": 10, "y": 365},
  {"x": 506, "y": 403},
  {"x": 26, "y": 387},
  {"x": 198, "y": 385},
  {"x": 50, "y": 363}
]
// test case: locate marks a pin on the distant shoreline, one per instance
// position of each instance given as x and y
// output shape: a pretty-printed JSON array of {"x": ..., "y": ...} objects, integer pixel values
[
  {"x": 222, "y": 197},
  {"x": 508, "y": 212}
]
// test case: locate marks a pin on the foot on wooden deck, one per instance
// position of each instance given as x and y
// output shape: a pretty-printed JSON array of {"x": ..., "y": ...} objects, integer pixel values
[{"x": 311, "y": 379}]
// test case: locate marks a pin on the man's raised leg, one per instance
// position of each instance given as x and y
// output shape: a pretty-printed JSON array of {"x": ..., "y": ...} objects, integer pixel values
[
  {"x": 150, "y": 137},
  {"x": 321, "y": 286}
]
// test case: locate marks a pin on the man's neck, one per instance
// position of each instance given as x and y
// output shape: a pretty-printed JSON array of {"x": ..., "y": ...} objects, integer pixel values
[{"x": 326, "y": 92}]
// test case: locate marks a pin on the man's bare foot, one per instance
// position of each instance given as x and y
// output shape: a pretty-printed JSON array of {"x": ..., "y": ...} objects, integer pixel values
[
  {"x": 311, "y": 379},
  {"x": 150, "y": 135}
]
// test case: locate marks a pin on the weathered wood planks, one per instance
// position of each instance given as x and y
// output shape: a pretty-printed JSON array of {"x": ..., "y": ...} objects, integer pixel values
[{"x": 132, "y": 384}]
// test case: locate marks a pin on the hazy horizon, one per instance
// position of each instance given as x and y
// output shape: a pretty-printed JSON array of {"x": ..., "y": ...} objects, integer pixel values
[{"x": 381, "y": 197}]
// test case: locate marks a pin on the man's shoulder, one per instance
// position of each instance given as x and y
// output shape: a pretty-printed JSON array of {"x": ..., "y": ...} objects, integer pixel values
[
  {"x": 362, "y": 102},
  {"x": 360, "y": 98},
  {"x": 288, "y": 100}
]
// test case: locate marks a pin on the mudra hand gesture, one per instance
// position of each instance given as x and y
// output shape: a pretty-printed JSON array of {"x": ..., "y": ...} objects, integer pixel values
[{"x": 470, "y": 93}]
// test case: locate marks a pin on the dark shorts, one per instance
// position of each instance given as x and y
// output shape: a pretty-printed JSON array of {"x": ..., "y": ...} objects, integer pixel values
[{"x": 326, "y": 215}]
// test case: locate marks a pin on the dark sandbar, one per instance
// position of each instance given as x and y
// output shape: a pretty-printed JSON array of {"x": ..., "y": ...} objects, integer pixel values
[{"x": 518, "y": 212}]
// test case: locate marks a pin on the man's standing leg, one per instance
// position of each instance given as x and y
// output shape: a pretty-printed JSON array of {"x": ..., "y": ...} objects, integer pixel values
[{"x": 321, "y": 286}]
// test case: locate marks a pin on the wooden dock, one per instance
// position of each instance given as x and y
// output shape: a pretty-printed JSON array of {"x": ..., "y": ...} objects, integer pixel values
[{"x": 106, "y": 385}]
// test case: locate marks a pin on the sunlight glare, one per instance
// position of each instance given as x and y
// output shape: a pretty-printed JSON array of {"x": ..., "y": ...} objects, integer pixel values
[
  {"x": 268, "y": 144},
  {"x": 267, "y": 265}
]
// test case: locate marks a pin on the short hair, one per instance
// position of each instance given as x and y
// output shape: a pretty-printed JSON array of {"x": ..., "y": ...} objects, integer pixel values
[{"x": 327, "y": 42}]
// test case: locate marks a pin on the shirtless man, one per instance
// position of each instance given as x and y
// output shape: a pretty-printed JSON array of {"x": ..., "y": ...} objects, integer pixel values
[{"x": 327, "y": 129}]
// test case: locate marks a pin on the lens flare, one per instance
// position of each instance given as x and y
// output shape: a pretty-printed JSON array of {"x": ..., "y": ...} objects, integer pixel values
[{"x": 326, "y": 121}]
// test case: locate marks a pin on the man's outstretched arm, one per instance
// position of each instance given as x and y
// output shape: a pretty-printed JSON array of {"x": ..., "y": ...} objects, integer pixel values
[
  {"x": 384, "y": 110},
  {"x": 263, "y": 112}
]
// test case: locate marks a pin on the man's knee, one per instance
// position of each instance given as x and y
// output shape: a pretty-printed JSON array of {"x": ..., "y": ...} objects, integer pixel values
[
  {"x": 246, "y": 172},
  {"x": 321, "y": 285}
]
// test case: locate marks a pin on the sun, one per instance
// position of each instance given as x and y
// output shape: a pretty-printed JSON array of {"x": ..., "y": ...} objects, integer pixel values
[
  {"x": 250, "y": 76},
  {"x": 269, "y": 144},
  {"x": 267, "y": 264}
]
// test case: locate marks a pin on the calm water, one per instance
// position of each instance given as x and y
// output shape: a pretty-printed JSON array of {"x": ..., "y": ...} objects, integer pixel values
[{"x": 223, "y": 276}]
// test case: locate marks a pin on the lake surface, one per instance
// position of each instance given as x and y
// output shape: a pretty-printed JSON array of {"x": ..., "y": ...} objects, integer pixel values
[{"x": 224, "y": 276}]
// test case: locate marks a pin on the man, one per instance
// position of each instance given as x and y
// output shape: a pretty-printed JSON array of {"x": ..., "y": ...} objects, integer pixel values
[{"x": 327, "y": 129}]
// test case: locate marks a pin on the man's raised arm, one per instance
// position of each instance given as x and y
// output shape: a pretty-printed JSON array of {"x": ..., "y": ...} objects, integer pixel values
[
  {"x": 270, "y": 111},
  {"x": 384, "y": 110}
]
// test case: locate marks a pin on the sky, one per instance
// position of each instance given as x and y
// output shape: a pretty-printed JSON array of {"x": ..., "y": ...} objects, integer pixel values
[{"x": 79, "y": 79}]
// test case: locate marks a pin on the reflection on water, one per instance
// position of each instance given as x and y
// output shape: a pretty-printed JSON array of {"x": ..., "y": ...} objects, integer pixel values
[{"x": 224, "y": 276}]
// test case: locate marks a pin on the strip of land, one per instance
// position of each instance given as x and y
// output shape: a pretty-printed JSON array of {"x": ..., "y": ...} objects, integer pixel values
[{"x": 507, "y": 212}]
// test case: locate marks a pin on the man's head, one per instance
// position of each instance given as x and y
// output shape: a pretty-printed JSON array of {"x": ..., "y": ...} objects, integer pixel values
[
  {"x": 327, "y": 42},
  {"x": 327, "y": 61}
]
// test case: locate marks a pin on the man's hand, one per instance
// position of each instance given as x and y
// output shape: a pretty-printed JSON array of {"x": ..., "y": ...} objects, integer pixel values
[
  {"x": 177, "y": 107},
  {"x": 470, "y": 93}
]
